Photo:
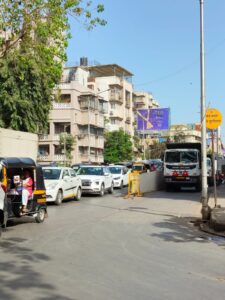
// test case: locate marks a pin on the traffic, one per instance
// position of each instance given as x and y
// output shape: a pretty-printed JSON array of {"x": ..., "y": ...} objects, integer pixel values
[{"x": 27, "y": 188}]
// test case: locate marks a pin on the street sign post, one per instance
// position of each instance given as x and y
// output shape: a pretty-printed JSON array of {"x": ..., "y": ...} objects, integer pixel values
[
  {"x": 213, "y": 121},
  {"x": 213, "y": 118}
]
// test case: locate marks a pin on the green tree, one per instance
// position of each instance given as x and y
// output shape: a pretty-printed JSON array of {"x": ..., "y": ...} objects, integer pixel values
[
  {"x": 67, "y": 142},
  {"x": 33, "y": 37},
  {"x": 155, "y": 151},
  {"x": 118, "y": 147}
]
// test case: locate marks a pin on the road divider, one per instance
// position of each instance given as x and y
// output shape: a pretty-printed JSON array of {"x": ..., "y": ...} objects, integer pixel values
[{"x": 138, "y": 184}]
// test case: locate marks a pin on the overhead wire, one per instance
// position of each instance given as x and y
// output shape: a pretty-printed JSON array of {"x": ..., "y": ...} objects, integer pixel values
[{"x": 185, "y": 67}]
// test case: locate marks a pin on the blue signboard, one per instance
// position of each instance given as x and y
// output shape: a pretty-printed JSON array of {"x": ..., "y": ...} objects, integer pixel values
[{"x": 154, "y": 119}]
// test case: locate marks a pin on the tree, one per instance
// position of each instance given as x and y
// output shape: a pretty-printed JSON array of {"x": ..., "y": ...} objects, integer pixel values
[
  {"x": 118, "y": 147},
  {"x": 33, "y": 37},
  {"x": 67, "y": 142},
  {"x": 155, "y": 151}
]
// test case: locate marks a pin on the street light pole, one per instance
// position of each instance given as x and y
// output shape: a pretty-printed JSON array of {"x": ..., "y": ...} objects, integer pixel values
[
  {"x": 89, "y": 132},
  {"x": 204, "y": 195}
]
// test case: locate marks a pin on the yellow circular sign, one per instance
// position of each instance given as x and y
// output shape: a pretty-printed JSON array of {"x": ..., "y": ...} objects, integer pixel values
[{"x": 213, "y": 118}]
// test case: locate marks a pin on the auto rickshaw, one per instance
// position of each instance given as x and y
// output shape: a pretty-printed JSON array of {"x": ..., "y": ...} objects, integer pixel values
[
  {"x": 11, "y": 202},
  {"x": 140, "y": 167}
]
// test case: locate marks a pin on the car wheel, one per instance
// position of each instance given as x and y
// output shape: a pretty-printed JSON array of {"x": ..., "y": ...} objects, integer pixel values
[
  {"x": 121, "y": 184},
  {"x": 40, "y": 215},
  {"x": 79, "y": 193},
  {"x": 110, "y": 190},
  {"x": 59, "y": 198},
  {"x": 102, "y": 190}
]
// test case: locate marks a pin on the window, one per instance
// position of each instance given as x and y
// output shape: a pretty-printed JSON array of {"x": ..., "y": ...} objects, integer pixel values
[
  {"x": 62, "y": 127},
  {"x": 58, "y": 150},
  {"x": 51, "y": 174},
  {"x": 98, "y": 171},
  {"x": 65, "y": 173},
  {"x": 43, "y": 150},
  {"x": 72, "y": 173}
]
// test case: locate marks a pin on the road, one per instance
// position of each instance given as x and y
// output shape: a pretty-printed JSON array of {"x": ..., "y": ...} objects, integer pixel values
[{"x": 112, "y": 248}]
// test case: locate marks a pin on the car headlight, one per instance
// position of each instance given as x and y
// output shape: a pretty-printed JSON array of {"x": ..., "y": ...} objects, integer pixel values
[
  {"x": 116, "y": 178},
  {"x": 52, "y": 186},
  {"x": 96, "y": 182}
]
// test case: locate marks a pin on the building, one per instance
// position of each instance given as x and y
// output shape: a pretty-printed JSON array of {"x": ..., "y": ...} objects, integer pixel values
[
  {"x": 183, "y": 133},
  {"x": 144, "y": 100},
  {"x": 77, "y": 110},
  {"x": 89, "y": 100},
  {"x": 114, "y": 82}
]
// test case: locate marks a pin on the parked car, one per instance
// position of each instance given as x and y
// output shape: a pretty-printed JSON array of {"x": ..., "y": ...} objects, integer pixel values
[
  {"x": 96, "y": 179},
  {"x": 76, "y": 167},
  {"x": 156, "y": 165},
  {"x": 120, "y": 175},
  {"x": 61, "y": 183}
]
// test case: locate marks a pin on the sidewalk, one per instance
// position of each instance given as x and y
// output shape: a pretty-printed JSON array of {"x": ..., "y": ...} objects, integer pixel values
[
  {"x": 216, "y": 224},
  {"x": 220, "y": 196},
  {"x": 180, "y": 204}
]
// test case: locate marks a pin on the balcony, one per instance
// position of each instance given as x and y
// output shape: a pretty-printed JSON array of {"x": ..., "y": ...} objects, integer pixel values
[
  {"x": 116, "y": 114},
  {"x": 44, "y": 137},
  {"x": 43, "y": 158},
  {"x": 58, "y": 105},
  {"x": 94, "y": 141},
  {"x": 59, "y": 157},
  {"x": 140, "y": 100},
  {"x": 127, "y": 104},
  {"x": 114, "y": 96},
  {"x": 95, "y": 158},
  {"x": 113, "y": 127},
  {"x": 128, "y": 120},
  {"x": 94, "y": 119}
]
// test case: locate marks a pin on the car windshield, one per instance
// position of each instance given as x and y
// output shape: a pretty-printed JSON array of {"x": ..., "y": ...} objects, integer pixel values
[
  {"x": 181, "y": 157},
  {"x": 115, "y": 170},
  {"x": 51, "y": 174},
  {"x": 138, "y": 167},
  {"x": 90, "y": 171}
]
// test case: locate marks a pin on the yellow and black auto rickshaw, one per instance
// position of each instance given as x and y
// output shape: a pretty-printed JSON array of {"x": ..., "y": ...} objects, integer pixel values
[{"x": 12, "y": 168}]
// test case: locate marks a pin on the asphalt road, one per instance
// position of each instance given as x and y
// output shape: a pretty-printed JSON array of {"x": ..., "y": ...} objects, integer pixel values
[{"x": 111, "y": 248}]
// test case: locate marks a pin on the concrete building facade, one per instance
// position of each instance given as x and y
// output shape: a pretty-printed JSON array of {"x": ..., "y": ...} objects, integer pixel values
[
  {"x": 144, "y": 100},
  {"x": 79, "y": 111},
  {"x": 114, "y": 83}
]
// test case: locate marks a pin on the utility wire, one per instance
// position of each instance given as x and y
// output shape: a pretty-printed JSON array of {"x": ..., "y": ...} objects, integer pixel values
[{"x": 182, "y": 69}]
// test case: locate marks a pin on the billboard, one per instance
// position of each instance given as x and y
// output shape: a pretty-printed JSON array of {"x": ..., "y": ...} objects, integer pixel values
[{"x": 154, "y": 119}]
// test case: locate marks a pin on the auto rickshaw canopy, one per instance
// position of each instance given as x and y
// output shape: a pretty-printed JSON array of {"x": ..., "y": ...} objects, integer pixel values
[
  {"x": 24, "y": 163},
  {"x": 17, "y": 162}
]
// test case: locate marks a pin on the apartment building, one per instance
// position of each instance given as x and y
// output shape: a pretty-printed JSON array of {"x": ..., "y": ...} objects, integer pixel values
[
  {"x": 79, "y": 111},
  {"x": 143, "y": 100},
  {"x": 183, "y": 133},
  {"x": 114, "y": 84}
]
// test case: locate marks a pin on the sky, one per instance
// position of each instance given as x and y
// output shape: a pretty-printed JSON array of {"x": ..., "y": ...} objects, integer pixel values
[{"x": 159, "y": 42}]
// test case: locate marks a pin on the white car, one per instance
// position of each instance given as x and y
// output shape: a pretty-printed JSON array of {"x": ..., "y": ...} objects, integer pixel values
[
  {"x": 120, "y": 175},
  {"x": 61, "y": 183},
  {"x": 96, "y": 179}
]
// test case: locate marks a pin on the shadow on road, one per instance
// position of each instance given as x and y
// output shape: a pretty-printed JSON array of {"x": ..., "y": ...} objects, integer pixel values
[
  {"x": 187, "y": 195},
  {"x": 18, "y": 277},
  {"x": 184, "y": 230}
]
